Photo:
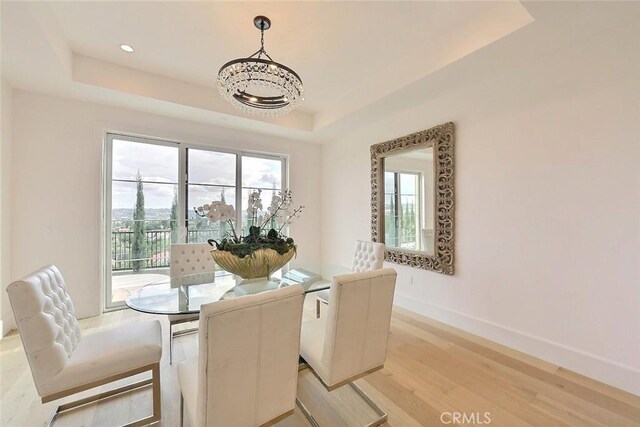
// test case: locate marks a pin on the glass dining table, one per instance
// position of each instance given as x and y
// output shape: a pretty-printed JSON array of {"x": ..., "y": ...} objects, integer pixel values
[{"x": 186, "y": 294}]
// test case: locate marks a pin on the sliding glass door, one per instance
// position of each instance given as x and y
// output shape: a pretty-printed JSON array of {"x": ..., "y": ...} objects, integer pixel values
[
  {"x": 151, "y": 190},
  {"x": 144, "y": 217}
]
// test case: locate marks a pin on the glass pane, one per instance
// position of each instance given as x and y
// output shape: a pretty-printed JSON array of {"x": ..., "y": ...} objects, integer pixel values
[
  {"x": 262, "y": 173},
  {"x": 408, "y": 222},
  {"x": 158, "y": 163},
  {"x": 407, "y": 201},
  {"x": 158, "y": 198},
  {"x": 201, "y": 229},
  {"x": 198, "y": 195},
  {"x": 144, "y": 224},
  {"x": 389, "y": 182},
  {"x": 390, "y": 230},
  {"x": 266, "y": 197},
  {"x": 408, "y": 183},
  {"x": 211, "y": 167},
  {"x": 156, "y": 223}
]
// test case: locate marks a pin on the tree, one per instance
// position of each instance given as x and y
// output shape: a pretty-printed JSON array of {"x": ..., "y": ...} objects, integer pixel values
[
  {"x": 173, "y": 219},
  {"x": 273, "y": 217},
  {"x": 390, "y": 223},
  {"x": 139, "y": 241},
  {"x": 409, "y": 224},
  {"x": 405, "y": 221}
]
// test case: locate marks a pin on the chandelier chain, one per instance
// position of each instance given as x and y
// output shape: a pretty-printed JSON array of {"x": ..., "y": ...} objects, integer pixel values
[
  {"x": 262, "y": 49},
  {"x": 262, "y": 36}
]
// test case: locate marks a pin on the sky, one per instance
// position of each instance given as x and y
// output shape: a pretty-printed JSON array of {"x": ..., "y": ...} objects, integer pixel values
[{"x": 159, "y": 164}]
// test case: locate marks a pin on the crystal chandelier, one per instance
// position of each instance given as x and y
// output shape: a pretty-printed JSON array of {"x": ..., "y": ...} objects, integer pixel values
[{"x": 260, "y": 85}]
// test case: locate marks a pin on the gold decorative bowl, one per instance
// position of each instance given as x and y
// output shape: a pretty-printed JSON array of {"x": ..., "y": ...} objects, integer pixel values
[{"x": 260, "y": 263}]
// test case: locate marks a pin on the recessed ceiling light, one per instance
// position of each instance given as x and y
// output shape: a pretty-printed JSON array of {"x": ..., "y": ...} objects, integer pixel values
[{"x": 126, "y": 48}]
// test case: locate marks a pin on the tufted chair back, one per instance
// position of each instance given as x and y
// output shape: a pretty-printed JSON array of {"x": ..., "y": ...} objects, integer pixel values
[
  {"x": 368, "y": 256},
  {"x": 45, "y": 317},
  {"x": 191, "y": 258}
]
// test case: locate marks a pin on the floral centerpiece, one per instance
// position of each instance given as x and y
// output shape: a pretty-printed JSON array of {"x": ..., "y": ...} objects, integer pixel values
[{"x": 264, "y": 249}]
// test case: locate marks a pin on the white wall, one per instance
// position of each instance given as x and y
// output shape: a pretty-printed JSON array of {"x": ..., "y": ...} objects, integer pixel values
[
  {"x": 5, "y": 204},
  {"x": 57, "y": 155},
  {"x": 547, "y": 198}
]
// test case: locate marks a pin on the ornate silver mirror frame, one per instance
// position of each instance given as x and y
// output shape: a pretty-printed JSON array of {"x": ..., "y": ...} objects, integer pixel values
[{"x": 442, "y": 139}]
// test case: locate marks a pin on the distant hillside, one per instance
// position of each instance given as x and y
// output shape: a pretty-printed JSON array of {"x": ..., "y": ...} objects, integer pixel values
[{"x": 151, "y": 214}]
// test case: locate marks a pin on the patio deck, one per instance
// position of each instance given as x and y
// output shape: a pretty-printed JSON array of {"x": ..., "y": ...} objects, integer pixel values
[{"x": 123, "y": 285}]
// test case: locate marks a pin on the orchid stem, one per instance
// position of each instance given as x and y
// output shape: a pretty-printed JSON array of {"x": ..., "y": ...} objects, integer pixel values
[
  {"x": 233, "y": 230},
  {"x": 289, "y": 217},
  {"x": 275, "y": 212}
]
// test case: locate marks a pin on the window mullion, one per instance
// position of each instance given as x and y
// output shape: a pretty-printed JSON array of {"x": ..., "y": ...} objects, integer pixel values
[
  {"x": 239, "y": 194},
  {"x": 398, "y": 207},
  {"x": 183, "y": 171}
]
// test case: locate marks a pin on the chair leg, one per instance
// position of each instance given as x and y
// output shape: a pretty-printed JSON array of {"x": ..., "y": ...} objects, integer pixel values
[
  {"x": 181, "y": 410},
  {"x": 179, "y": 333},
  {"x": 307, "y": 414},
  {"x": 170, "y": 343},
  {"x": 53, "y": 419},
  {"x": 157, "y": 393},
  {"x": 383, "y": 415},
  {"x": 154, "y": 381}
]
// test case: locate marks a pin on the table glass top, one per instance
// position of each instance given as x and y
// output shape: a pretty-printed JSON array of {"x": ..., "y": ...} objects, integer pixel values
[{"x": 185, "y": 294}]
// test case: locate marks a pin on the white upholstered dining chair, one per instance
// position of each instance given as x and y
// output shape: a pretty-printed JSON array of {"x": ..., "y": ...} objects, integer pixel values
[
  {"x": 246, "y": 372},
  {"x": 350, "y": 341},
  {"x": 185, "y": 259},
  {"x": 65, "y": 362},
  {"x": 367, "y": 256}
]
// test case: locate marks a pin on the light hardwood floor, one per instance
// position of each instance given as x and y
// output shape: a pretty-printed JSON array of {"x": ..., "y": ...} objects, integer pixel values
[{"x": 431, "y": 368}]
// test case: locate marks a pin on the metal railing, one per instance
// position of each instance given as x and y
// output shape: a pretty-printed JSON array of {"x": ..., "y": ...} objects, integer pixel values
[{"x": 157, "y": 247}]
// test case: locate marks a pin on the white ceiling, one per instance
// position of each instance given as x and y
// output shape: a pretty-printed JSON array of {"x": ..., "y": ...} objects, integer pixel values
[
  {"x": 355, "y": 58},
  {"x": 330, "y": 44},
  {"x": 349, "y": 54}
]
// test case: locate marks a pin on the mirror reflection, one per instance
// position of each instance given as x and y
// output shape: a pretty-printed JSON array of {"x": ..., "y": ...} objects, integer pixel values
[{"x": 409, "y": 200}]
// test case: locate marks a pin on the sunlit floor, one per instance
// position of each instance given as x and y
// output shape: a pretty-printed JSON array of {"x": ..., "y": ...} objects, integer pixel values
[{"x": 431, "y": 370}]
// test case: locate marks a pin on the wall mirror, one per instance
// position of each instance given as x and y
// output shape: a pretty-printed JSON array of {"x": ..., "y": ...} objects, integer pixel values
[{"x": 412, "y": 198}]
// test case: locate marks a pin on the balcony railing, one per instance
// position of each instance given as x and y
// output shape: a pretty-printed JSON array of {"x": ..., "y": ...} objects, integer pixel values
[{"x": 157, "y": 247}]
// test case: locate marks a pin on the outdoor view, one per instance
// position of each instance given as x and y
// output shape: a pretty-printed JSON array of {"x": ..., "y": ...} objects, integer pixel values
[
  {"x": 401, "y": 218},
  {"x": 148, "y": 214}
]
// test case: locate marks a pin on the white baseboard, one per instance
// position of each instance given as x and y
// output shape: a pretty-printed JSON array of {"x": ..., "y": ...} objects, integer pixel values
[
  {"x": 607, "y": 371},
  {"x": 7, "y": 325}
]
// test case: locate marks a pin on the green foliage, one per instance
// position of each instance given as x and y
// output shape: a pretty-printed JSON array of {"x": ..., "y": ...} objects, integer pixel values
[
  {"x": 390, "y": 225},
  {"x": 174, "y": 212},
  {"x": 173, "y": 217},
  {"x": 258, "y": 235},
  {"x": 139, "y": 242},
  {"x": 408, "y": 222},
  {"x": 256, "y": 239}
]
